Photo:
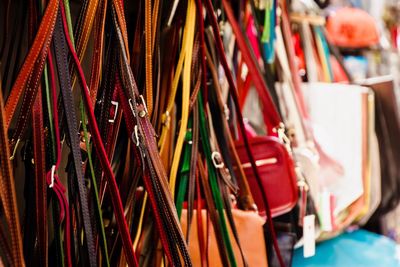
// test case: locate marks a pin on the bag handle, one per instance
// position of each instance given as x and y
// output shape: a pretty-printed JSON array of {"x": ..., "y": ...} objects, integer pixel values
[
  {"x": 8, "y": 194},
  {"x": 98, "y": 144},
  {"x": 275, "y": 115},
  {"x": 40, "y": 45}
]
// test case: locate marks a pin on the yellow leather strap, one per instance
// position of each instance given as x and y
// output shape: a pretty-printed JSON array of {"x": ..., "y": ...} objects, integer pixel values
[
  {"x": 191, "y": 19},
  {"x": 149, "y": 57},
  {"x": 166, "y": 117}
]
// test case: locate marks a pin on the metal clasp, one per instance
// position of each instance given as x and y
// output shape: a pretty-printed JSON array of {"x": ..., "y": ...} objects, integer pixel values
[
  {"x": 283, "y": 137},
  {"x": 135, "y": 135},
  {"x": 116, "y": 104},
  {"x": 53, "y": 170},
  {"x": 15, "y": 149},
  {"x": 215, "y": 156},
  {"x": 144, "y": 105},
  {"x": 132, "y": 107}
]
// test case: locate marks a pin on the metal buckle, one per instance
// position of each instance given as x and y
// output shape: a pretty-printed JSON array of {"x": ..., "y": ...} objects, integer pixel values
[
  {"x": 53, "y": 169},
  {"x": 132, "y": 107},
  {"x": 15, "y": 149},
  {"x": 214, "y": 157},
  {"x": 136, "y": 135},
  {"x": 144, "y": 103},
  {"x": 283, "y": 137},
  {"x": 226, "y": 111},
  {"x": 116, "y": 104}
]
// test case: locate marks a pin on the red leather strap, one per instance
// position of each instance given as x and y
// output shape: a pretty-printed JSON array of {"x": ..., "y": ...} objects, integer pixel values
[
  {"x": 220, "y": 48},
  {"x": 270, "y": 113},
  {"x": 58, "y": 187},
  {"x": 98, "y": 144}
]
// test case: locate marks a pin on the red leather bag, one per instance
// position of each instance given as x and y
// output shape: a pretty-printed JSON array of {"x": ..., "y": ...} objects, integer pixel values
[
  {"x": 274, "y": 164},
  {"x": 276, "y": 169}
]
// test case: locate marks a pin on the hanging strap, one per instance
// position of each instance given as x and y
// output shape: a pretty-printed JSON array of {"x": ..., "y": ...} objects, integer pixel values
[
  {"x": 40, "y": 46},
  {"x": 112, "y": 185},
  {"x": 149, "y": 44},
  {"x": 72, "y": 122},
  {"x": 270, "y": 113},
  {"x": 8, "y": 195},
  {"x": 154, "y": 173},
  {"x": 52, "y": 178},
  {"x": 190, "y": 20},
  {"x": 235, "y": 97}
]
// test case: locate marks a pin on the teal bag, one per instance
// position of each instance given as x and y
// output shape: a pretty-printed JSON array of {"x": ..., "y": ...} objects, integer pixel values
[{"x": 354, "y": 249}]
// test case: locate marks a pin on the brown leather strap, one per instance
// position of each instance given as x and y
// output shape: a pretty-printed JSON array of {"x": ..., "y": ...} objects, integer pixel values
[
  {"x": 42, "y": 41},
  {"x": 149, "y": 56},
  {"x": 246, "y": 200},
  {"x": 40, "y": 178},
  {"x": 8, "y": 195},
  {"x": 97, "y": 57}
]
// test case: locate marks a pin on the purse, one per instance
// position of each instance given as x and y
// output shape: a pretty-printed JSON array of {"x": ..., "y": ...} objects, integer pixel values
[
  {"x": 277, "y": 172},
  {"x": 387, "y": 129},
  {"x": 249, "y": 226}
]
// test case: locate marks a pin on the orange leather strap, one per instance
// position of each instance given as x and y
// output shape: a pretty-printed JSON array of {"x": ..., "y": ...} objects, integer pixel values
[{"x": 41, "y": 41}]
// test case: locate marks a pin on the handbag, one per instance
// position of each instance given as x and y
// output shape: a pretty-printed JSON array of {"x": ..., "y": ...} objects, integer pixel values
[
  {"x": 277, "y": 172},
  {"x": 248, "y": 224},
  {"x": 387, "y": 128}
]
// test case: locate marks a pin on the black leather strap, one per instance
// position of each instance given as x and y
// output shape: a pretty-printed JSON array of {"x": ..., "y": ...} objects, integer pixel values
[{"x": 72, "y": 123}]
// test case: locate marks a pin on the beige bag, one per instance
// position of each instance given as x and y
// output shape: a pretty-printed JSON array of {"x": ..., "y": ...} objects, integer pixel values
[{"x": 249, "y": 226}]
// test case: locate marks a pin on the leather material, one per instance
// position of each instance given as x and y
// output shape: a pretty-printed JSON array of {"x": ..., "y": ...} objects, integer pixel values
[
  {"x": 71, "y": 118},
  {"x": 8, "y": 195},
  {"x": 122, "y": 226},
  {"x": 387, "y": 127},
  {"x": 41, "y": 41},
  {"x": 235, "y": 97},
  {"x": 250, "y": 228},
  {"x": 277, "y": 171}
]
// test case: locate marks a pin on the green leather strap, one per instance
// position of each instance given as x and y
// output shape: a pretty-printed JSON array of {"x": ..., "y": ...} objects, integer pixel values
[{"x": 214, "y": 183}]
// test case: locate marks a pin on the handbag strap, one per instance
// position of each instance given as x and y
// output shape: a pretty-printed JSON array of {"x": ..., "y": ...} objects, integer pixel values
[
  {"x": 72, "y": 122},
  {"x": 51, "y": 177},
  {"x": 8, "y": 194},
  {"x": 112, "y": 185},
  {"x": 155, "y": 175},
  {"x": 186, "y": 79},
  {"x": 148, "y": 29},
  {"x": 39, "y": 46},
  {"x": 235, "y": 97},
  {"x": 246, "y": 200},
  {"x": 271, "y": 114},
  {"x": 97, "y": 57},
  {"x": 166, "y": 117}
]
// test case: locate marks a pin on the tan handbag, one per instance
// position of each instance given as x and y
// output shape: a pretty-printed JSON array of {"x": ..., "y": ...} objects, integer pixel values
[{"x": 250, "y": 229}]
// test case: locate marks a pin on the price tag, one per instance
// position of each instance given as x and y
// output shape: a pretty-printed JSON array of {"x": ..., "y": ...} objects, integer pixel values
[{"x": 309, "y": 236}]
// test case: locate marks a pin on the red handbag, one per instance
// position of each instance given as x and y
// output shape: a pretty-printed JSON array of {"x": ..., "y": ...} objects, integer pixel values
[{"x": 276, "y": 169}]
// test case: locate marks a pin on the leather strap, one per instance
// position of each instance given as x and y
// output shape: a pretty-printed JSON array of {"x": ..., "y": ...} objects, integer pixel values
[
  {"x": 52, "y": 178},
  {"x": 40, "y": 178},
  {"x": 235, "y": 97},
  {"x": 8, "y": 195},
  {"x": 42, "y": 41},
  {"x": 246, "y": 200},
  {"x": 212, "y": 212},
  {"x": 144, "y": 139},
  {"x": 71, "y": 118},
  {"x": 97, "y": 57},
  {"x": 191, "y": 19},
  {"x": 149, "y": 55},
  {"x": 119, "y": 214}
]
